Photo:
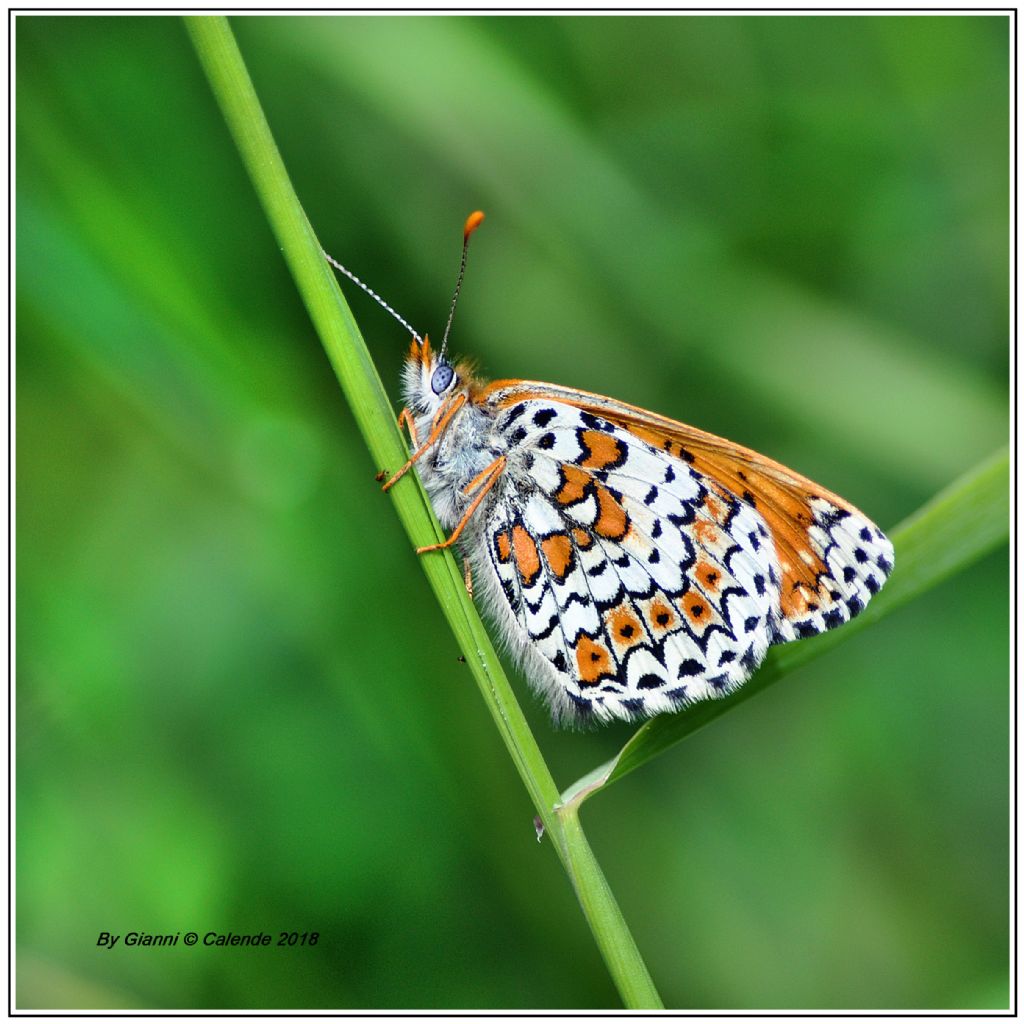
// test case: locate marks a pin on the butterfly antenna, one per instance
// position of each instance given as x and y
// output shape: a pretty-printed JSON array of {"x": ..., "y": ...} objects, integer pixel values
[
  {"x": 373, "y": 295},
  {"x": 473, "y": 221}
]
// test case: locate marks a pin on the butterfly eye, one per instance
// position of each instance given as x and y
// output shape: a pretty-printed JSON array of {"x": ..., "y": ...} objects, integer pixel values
[{"x": 442, "y": 378}]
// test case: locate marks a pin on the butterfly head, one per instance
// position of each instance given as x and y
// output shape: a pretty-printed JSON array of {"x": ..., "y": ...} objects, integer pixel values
[{"x": 430, "y": 379}]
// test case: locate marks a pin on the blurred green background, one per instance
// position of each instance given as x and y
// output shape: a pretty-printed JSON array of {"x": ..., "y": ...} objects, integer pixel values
[{"x": 238, "y": 706}]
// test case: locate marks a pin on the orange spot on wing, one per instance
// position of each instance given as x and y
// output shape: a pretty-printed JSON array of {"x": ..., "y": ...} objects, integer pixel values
[
  {"x": 612, "y": 521},
  {"x": 526, "y": 556},
  {"x": 582, "y": 538},
  {"x": 660, "y": 440},
  {"x": 602, "y": 450},
  {"x": 705, "y": 532},
  {"x": 575, "y": 485},
  {"x": 504, "y": 545},
  {"x": 592, "y": 661},
  {"x": 797, "y": 597},
  {"x": 714, "y": 508},
  {"x": 653, "y": 439},
  {"x": 696, "y": 609},
  {"x": 558, "y": 552},
  {"x": 708, "y": 576},
  {"x": 661, "y": 616},
  {"x": 624, "y": 626}
]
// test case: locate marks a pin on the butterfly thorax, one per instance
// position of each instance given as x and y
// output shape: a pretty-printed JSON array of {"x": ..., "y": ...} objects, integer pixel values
[{"x": 469, "y": 442}]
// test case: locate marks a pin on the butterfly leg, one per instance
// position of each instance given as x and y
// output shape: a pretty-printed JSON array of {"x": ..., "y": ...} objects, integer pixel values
[
  {"x": 467, "y": 576},
  {"x": 482, "y": 482},
  {"x": 405, "y": 419},
  {"x": 441, "y": 420}
]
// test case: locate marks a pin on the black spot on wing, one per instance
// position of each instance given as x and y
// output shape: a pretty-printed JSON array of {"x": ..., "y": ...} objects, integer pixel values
[
  {"x": 512, "y": 415},
  {"x": 547, "y": 630},
  {"x": 832, "y": 618}
]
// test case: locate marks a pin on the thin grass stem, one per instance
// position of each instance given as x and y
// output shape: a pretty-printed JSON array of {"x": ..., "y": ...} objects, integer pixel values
[{"x": 219, "y": 55}]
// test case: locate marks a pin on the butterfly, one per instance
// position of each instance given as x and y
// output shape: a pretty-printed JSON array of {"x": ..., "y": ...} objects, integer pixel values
[{"x": 631, "y": 564}]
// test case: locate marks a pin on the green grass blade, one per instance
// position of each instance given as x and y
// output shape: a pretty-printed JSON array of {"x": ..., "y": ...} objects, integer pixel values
[
  {"x": 361, "y": 383},
  {"x": 957, "y": 527},
  {"x": 222, "y": 61}
]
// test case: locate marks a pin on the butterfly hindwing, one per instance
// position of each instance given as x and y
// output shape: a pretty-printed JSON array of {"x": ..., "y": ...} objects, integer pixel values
[
  {"x": 641, "y": 585},
  {"x": 649, "y": 564}
]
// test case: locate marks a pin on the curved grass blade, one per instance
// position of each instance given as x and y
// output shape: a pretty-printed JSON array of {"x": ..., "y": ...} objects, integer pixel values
[
  {"x": 956, "y": 528},
  {"x": 223, "y": 64}
]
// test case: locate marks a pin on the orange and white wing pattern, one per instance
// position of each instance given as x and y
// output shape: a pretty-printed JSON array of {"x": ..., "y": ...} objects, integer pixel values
[{"x": 644, "y": 564}]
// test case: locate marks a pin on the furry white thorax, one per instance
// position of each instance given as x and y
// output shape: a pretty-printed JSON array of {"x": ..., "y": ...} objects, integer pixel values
[{"x": 467, "y": 447}]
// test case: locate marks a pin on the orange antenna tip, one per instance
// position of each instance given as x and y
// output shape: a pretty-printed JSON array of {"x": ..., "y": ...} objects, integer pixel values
[{"x": 473, "y": 221}]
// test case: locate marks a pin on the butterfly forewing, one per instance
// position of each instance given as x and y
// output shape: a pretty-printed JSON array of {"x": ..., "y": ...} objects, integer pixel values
[{"x": 832, "y": 559}]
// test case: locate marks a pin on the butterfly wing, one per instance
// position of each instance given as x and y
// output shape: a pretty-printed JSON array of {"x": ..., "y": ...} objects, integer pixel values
[
  {"x": 648, "y": 564},
  {"x": 634, "y": 586}
]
